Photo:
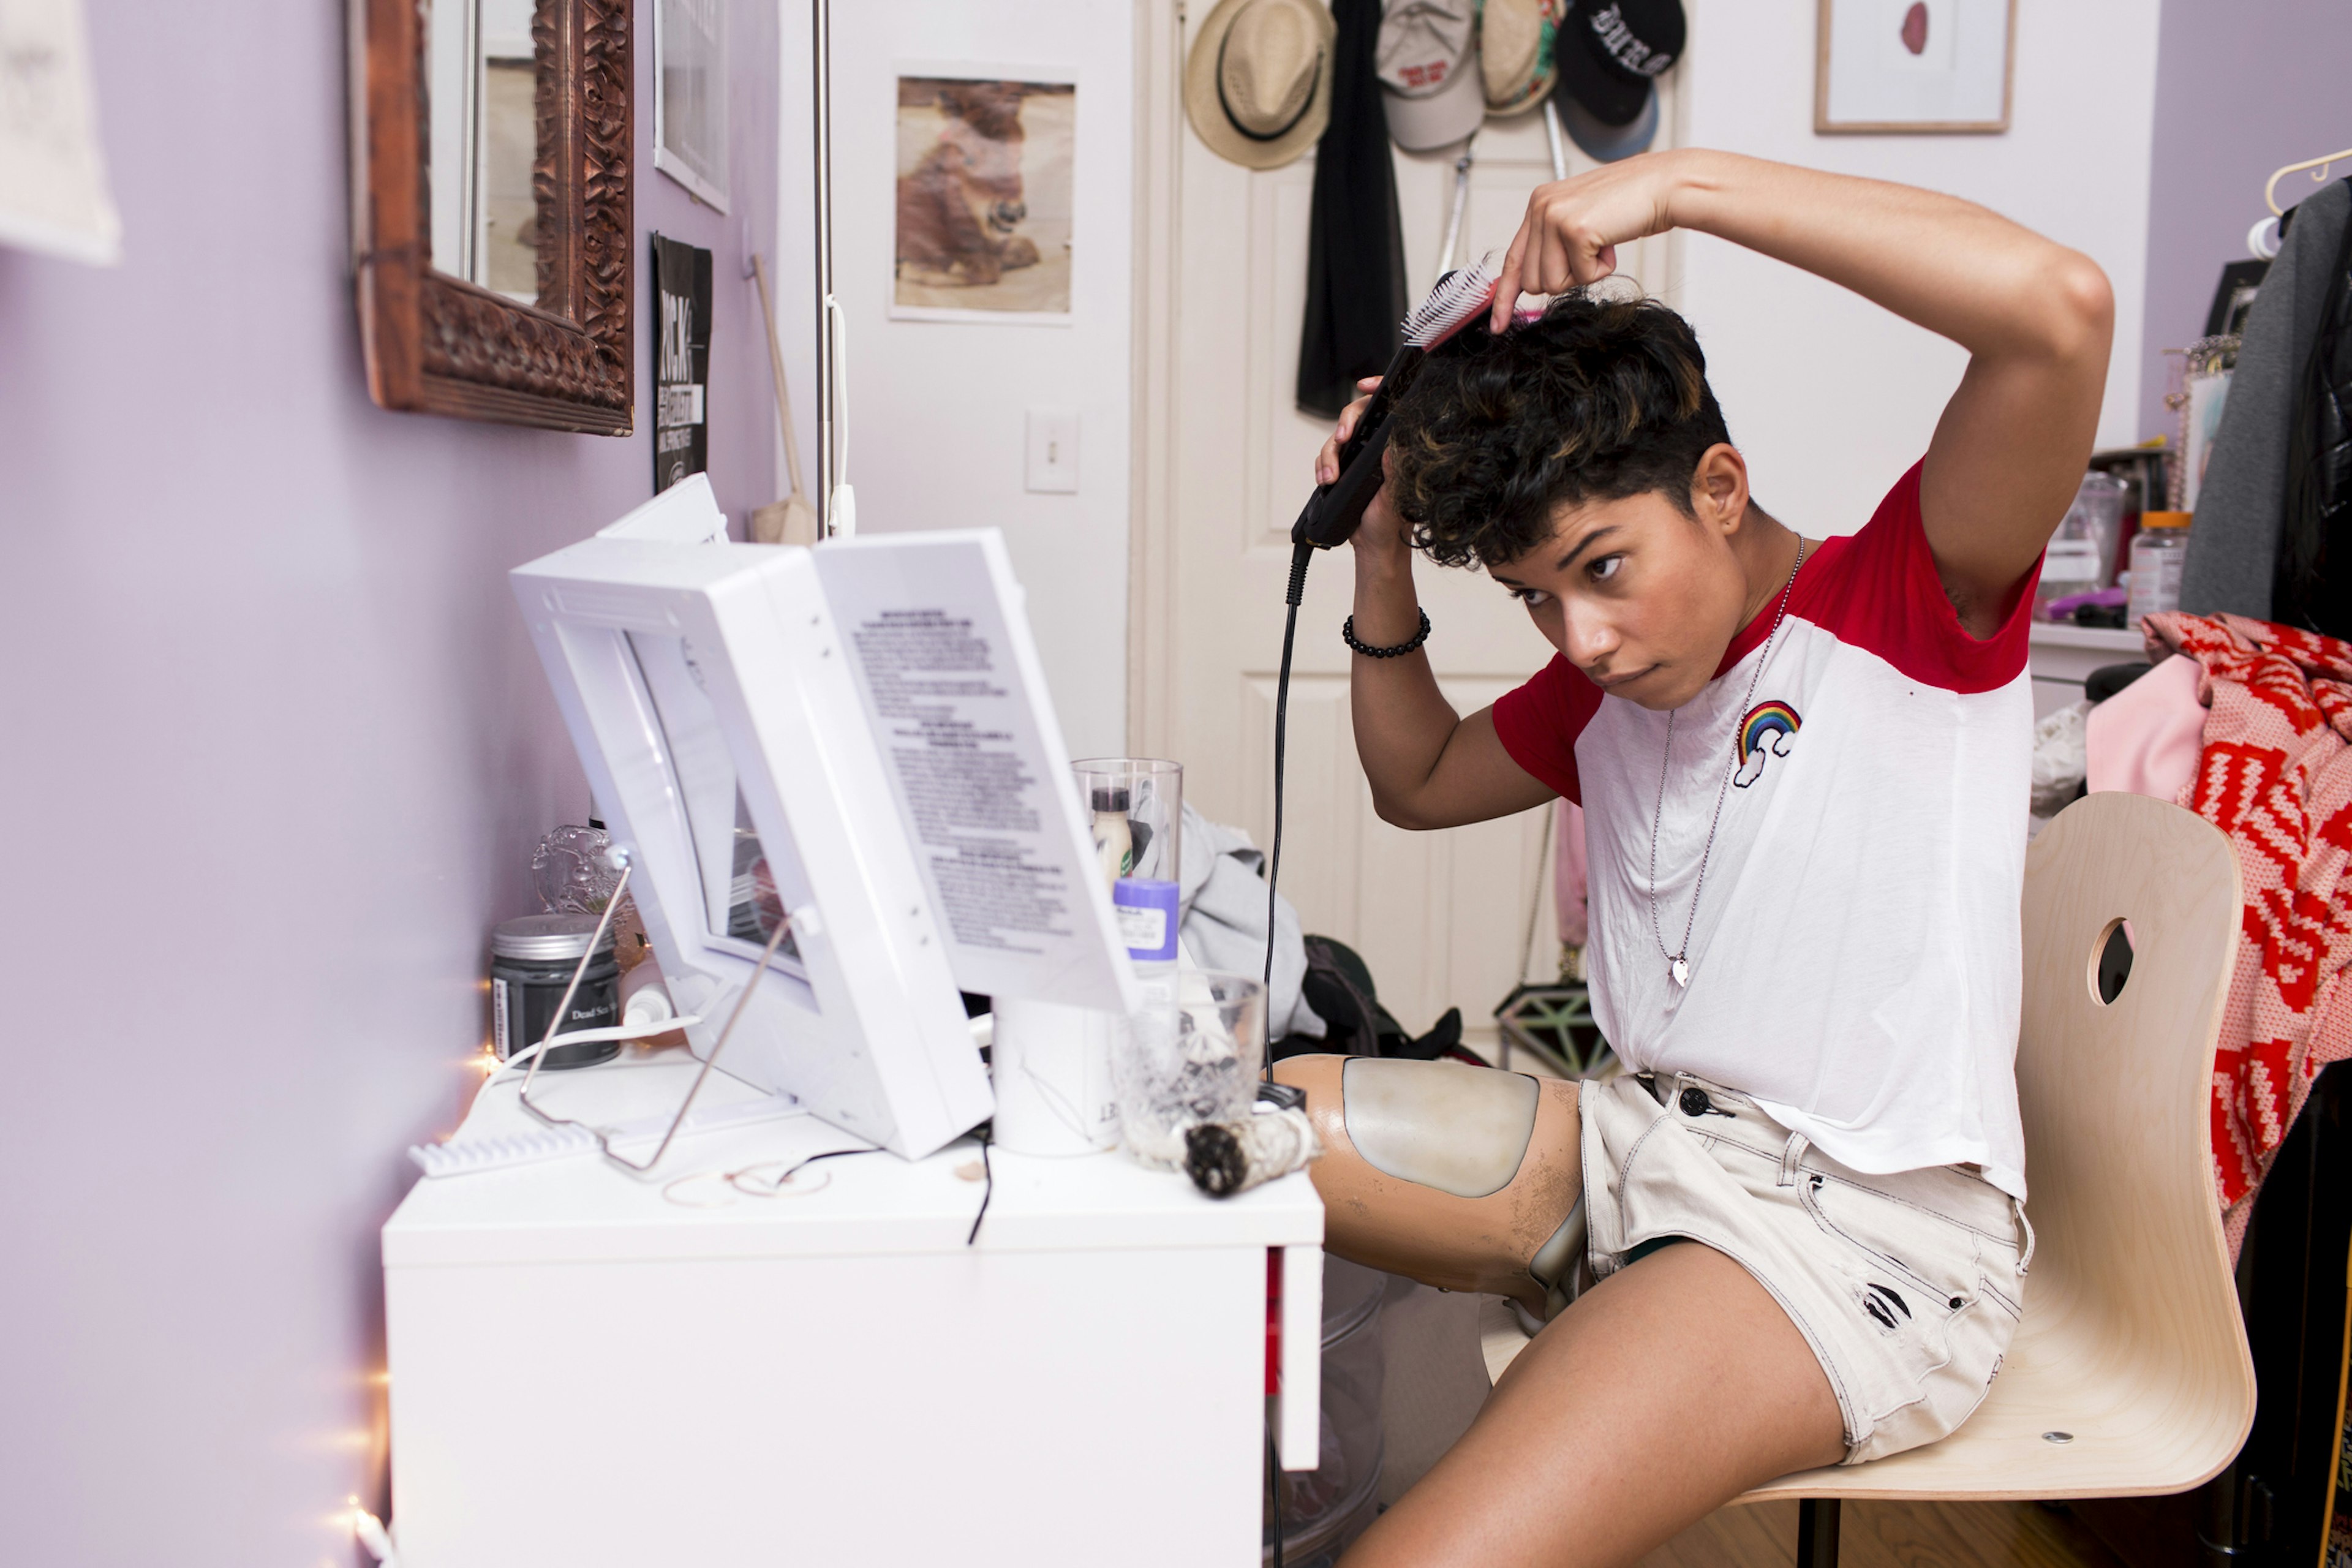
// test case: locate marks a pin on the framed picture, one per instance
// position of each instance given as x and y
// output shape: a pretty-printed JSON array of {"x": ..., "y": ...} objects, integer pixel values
[
  {"x": 2234, "y": 297},
  {"x": 985, "y": 200},
  {"x": 1917, "y": 66},
  {"x": 682, "y": 295},
  {"x": 690, "y": 96},
  {"x": 2204, "y": 393}
]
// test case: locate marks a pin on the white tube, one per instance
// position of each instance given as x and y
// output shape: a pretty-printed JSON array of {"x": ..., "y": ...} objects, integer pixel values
[{"x": 644, "y": 999}]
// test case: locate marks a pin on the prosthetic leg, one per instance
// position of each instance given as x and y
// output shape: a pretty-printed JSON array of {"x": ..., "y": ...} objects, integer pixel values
[{"x": 1465, "y": 1178}]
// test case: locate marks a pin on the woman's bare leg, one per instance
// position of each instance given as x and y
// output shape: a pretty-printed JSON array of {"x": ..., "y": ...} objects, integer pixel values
[{"x": 1664, "y": 1392}]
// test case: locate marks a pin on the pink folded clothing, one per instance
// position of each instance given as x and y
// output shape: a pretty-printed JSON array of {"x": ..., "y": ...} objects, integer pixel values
[{"x": 2144, "y": 739}]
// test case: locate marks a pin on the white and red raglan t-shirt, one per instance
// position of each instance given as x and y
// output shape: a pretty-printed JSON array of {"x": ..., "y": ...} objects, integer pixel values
[{"x": 1855, "y": 964}]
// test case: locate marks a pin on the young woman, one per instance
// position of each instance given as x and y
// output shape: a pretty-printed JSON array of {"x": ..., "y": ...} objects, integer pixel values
[{"x": 1804, "y": 765}]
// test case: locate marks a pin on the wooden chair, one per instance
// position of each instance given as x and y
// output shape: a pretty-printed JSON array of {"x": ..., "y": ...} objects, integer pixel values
[{"x": 2130, "y": 1374}]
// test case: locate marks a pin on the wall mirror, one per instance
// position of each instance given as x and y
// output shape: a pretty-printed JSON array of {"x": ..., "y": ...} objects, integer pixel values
[{"x": 492, "y": 216}]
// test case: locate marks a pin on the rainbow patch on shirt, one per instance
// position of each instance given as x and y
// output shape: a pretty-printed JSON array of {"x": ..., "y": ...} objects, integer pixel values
[{"x": 1763, "y": 735}]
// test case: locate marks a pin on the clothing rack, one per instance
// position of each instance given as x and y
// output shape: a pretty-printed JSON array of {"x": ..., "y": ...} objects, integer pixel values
[
  {"x": 2263, "y": 240},
  {"x": 2319, "y": 167}
]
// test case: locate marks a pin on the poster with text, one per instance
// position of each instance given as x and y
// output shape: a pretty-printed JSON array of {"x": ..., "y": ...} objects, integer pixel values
[
  {"x": 984, "y": 199},
  {"x": 681, "y": 362}
]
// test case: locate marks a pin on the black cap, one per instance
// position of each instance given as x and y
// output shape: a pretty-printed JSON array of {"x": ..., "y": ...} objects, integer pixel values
[
  {"x": 1111, "y": 799},
  {"x": 1610, "y": 54}
]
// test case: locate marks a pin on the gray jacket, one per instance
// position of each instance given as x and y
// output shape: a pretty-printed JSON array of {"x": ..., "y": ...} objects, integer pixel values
[{"x": 2234, "y": 543}]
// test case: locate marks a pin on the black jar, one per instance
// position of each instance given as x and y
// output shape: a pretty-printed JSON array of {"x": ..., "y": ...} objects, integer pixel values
[{"x": 531, "y": 961}]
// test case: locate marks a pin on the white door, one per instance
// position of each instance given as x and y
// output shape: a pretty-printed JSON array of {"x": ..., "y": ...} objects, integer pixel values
[{"x": 1226, "y": 460}]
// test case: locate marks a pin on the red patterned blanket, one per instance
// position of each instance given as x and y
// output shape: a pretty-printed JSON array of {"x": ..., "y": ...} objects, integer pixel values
[{"x": 2275, "y": 775}]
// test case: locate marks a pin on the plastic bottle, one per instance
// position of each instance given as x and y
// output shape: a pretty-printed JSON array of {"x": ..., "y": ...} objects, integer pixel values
[
  {"x": 1114, "y": 835},
  {"x": 2158, "y": 551}
]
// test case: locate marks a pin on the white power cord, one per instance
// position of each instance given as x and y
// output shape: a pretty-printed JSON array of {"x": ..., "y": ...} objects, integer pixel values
[
  {"x": 371, "y": 1534},
  {"x": 841, "y": 506},
  {"x": 644, "y": 1029}
]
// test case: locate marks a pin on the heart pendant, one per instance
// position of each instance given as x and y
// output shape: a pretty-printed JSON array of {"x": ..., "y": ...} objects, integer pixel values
[{"x": 1681, "y": 972}]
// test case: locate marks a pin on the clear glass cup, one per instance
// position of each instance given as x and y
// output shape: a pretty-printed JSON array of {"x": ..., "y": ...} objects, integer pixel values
[
  {"x": 2081, "y": 556},
  {"x": 2100, "y": 500},
  {"x": 1190, "y": 1055},
  {"x": 1138, "y": 807}
]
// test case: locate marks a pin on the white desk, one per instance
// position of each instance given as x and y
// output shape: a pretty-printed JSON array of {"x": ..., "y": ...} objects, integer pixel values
[
  {"x": 2063, "y": 656},
  {"x": 585, "y": 1372}
]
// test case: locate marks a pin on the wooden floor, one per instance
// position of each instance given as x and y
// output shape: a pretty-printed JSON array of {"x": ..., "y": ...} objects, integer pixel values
[{"x": 1894, "y": 1535}]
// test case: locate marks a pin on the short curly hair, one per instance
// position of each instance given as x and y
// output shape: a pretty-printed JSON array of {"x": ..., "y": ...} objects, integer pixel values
[{"x": 1596, "y": 399}]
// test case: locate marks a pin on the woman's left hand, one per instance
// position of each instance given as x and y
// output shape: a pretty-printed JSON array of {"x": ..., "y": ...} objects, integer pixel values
[{"x": 1574, "y": 226}]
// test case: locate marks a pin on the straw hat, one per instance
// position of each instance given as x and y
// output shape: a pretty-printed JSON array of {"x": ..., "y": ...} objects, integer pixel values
[
  {"x": 1515, "y": 61},
  {"x": 1257, "y": 84}
]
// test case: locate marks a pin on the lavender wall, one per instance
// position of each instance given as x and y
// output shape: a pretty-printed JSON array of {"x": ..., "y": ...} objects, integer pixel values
[
  {"x": 273, "y": 751},
  {"x": 2240, "y": 90}
]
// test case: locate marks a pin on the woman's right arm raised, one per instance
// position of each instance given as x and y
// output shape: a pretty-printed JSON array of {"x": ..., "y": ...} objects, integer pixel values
[{"x": 1428, "y": 766}]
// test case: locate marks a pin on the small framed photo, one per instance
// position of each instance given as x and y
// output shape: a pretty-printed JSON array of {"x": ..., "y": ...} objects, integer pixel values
[
  {"x": 2234, "y": 297},
  {"x": 690, "y": 96},
  {"x": 2204, "y": 393},
  {"x": 1913, "y": 66},
  {"x": 985, "y": 201}
]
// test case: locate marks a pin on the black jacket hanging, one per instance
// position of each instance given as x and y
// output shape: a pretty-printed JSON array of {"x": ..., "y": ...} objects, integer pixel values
[
  {"x": 2315, "y": 567},
  {"x": 1355, "y": 251}
]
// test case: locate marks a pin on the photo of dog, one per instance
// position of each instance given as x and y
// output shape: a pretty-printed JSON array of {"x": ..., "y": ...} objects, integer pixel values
[{"x": 984, "y": 197}]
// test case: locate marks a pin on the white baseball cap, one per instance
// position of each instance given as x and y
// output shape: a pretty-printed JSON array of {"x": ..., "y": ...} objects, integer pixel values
[{"x": 1429, "y": 72}]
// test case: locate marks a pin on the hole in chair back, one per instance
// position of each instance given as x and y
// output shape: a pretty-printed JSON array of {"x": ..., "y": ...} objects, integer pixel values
[{"x": 2111, "y": 960}]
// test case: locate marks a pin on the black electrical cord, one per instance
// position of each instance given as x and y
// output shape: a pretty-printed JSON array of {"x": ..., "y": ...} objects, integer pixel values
[
  {"x": 1273, "y": 1489},
  {"x": 1301, "y": 554},
  {"x": 988, "y": 1175}
]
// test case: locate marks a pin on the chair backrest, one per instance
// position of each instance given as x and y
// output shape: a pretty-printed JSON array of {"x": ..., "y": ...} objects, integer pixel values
[{"x": 2117, "y": 1099}]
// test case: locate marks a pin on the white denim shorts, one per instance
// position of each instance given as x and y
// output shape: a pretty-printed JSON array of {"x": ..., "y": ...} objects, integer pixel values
[{"x": 1907, "y": 1287}]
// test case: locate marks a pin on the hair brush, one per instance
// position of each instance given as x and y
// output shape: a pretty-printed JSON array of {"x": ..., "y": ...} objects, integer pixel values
[{"x": 1333, "y": 511}]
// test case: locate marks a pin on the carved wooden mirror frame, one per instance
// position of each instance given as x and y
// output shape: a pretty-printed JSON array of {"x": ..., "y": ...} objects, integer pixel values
[{"x": 436, "y": 344}]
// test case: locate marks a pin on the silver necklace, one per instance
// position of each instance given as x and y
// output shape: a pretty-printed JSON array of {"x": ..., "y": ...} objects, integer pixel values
[{"x": 1678, "y": 960}]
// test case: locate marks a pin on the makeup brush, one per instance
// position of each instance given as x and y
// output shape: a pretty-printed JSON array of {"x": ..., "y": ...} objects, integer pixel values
[{"x": 1334, "y": 510}]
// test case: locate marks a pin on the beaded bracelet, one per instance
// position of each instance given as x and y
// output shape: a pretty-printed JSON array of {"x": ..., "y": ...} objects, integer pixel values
[{"x": 1348, "y": 635}]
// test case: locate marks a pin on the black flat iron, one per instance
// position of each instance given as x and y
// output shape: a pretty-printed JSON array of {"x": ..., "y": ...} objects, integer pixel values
[{"x": 1334, "y": 511}]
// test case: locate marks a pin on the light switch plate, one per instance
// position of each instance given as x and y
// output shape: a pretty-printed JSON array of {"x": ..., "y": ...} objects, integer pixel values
[{"x": 1053, "y": 452}]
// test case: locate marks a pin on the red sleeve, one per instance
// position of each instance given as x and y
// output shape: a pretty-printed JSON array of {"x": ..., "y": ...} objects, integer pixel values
[
  {"x": 1539, "y": 724},
  {"x": 1881, "y": 592}
]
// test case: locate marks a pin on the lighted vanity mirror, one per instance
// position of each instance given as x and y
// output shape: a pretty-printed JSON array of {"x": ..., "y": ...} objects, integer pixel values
[
  {"x": 744, "y": 891},
  {"x": 716, "y": 717},
  {"x": 491, "y": 208},
  {"x": 854, "y": 744}
]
